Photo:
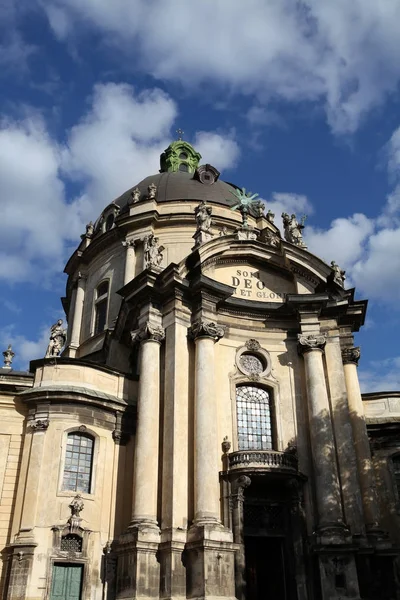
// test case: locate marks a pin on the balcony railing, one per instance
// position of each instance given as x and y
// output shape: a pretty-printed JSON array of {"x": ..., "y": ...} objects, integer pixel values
[{"x": 263, "y": 460}]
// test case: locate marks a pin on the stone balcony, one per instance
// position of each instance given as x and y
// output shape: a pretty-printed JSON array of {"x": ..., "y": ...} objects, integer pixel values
[{"x": 263, "y": 461}]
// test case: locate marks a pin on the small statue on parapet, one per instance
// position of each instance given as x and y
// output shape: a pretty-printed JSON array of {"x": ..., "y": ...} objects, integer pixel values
[
  {"x": 58, "y": 336},
  {"x": 293, "y": 229},
  {"x": 338, "y": 274},
  {"x": 203, "y": 217},
  {"x": 152, "y": 189},
  {"x": 8, "y": 357},
  {"x": 135, "y": 196},
  {"x": 204, "y": 221}
]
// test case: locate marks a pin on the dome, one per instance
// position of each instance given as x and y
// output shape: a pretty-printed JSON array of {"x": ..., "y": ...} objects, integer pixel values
[{"x": 172, "y": 186}]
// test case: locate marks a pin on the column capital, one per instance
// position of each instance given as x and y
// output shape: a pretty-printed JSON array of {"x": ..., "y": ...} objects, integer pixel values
[
  {"x": 129, "y": 243},
  {"x": 307, "y": 343},
  {"x": 39, "y": 425},
  {"x": 206, "y": 329},
  {"x": 351, "y": 355},
  {"x": 148, "y": 331},
  {"x": 79, "y": 277}
]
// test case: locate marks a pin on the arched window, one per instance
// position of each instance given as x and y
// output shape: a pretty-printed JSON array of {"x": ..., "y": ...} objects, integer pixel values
[
  {"x": 100, "y": 310},
  {"x": 183, "y": 156},
  {"x": 78, "y": 462},
  {"x": 184, "y": 167},
  {"x": 253, "y": 418},
  {"x": 396, "y": 475},
  {"x": 109, "y": 222}
]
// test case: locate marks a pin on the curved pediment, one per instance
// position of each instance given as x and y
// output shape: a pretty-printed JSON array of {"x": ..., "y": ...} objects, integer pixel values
[
  {"x": 259, "y": 272},
  {"x": 252, "y": 281}
]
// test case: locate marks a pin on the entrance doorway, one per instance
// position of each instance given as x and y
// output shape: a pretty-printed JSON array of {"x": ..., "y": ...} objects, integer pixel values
[
  {"x": 265, "y": 568},
  {"x": 66, "y": 582}
]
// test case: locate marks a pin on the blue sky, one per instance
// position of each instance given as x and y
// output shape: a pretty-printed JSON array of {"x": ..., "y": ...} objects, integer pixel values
[{"x": 297, "y": 101}]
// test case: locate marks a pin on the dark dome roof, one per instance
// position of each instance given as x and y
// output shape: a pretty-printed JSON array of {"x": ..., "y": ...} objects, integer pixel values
[{"x": 181, "y": 186}]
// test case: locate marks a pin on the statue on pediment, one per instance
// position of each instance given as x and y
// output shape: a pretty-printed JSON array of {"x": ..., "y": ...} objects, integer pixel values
[
  {"x": 293, "y": 229},
  {"x": 338, "y": 274}
]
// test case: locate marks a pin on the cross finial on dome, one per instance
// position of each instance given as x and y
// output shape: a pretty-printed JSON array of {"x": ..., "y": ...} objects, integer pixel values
[{"x": 180, "y": 133}]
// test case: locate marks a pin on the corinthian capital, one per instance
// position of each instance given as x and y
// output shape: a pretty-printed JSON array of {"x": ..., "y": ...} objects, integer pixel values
[
  {"x": 149, "y": 331},
  {"x": 306, "y": 343},
  {"x": 206, "y": 329},
  {"x": 351, "y": 355}
]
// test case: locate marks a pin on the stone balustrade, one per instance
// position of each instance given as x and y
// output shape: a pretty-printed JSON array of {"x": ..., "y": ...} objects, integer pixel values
[{"x": 263, "y": 460}]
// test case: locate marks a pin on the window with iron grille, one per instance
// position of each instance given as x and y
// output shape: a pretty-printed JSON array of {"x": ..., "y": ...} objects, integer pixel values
[
  {"x": 253, "y": 418},
  {"x": 71, "y": 543},
  {"x": 78, "y": 463}
]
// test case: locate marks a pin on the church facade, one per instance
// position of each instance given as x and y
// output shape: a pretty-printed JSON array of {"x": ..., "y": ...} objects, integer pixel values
[{"x": 198, "y": 430}]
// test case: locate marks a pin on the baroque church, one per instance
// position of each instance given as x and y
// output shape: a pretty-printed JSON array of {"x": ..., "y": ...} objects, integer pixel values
[{"x": 198, "y": 430}]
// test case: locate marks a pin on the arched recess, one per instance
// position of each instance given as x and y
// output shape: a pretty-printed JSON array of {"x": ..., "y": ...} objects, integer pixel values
[{"x": 263, "y": 380}]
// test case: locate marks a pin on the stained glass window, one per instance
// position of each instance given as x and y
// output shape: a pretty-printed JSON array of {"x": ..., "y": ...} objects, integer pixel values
[
  {"x": 78, "y": 463},
  {"x": 254, "y": 418}
]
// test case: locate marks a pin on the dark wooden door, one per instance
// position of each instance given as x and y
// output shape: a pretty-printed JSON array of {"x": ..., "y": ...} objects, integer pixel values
[
  {"x": 265, "y": 569},
  {"x": 66, "y": 582}
]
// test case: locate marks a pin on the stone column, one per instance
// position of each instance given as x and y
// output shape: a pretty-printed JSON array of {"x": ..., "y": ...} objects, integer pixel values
[
  {"x": 138, "y": 569},
  {"x": 238, "y": 485},
  {"x": 206, "y": 457},
  {"x": 22, "y": 549},
  {"x": 130, "y": 260},
  {"x": 210, "y": 547},
  {"x": 327, "y": 490},
  {"x": 78, "y": 313},
  {"x": 352, "y": 503},
  {"x": 351, "y": 357},
  {"x": 175, "y": 454},
  {"x": 145, "y": 472}
]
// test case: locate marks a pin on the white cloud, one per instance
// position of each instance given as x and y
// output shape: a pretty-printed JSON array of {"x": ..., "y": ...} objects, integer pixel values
[
  {"x": 115, "y": 145},
  {"x": 344, "y": 54},
  {"x": 25, "y": 349},
  {"x": 381, "y": 375},
  {"x": 376, "y": 273},
  {"x": 222, "y": 151},
  {"x": 343, "y": 242},
  {"x": 34, "y": 214}
]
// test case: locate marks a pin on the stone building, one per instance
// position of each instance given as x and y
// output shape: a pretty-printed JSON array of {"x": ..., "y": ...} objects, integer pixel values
[{"x": 202, "y": 434}]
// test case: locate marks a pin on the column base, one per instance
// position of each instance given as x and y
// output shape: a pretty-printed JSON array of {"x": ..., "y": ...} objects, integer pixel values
[
  {"x": 172, "y": 564},
  {"x": 210, "y": 562},
  {"x": 138, "y": 570},
  {"x": 377, "y": 537},
  {"x": 338, "y": 574},
  {"x": 333, "y": 534},
  {"x": 21, "y": 557}
]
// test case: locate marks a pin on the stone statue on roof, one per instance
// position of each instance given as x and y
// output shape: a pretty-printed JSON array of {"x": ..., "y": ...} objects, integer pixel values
[
  {"x": 293, "y": 229},
  {"x": 152, "y": 189},
  {"x": 338, "y": 274},
  {"x": 203, "y": 217},
  {"x": 58, "y": 336}
]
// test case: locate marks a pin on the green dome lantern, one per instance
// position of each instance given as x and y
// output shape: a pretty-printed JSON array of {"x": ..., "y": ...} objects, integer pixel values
[{"x": 179, "y": 156}]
